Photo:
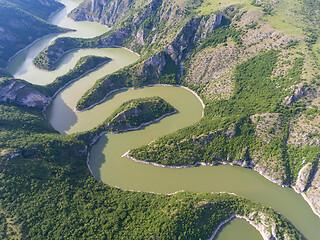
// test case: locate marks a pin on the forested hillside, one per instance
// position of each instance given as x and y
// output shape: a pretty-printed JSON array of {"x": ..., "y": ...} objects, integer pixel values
[{"x": 255, "y": 65}]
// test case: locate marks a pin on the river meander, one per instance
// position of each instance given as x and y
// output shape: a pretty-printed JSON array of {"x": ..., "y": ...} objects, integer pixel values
[{"x": 105, "y": 159}]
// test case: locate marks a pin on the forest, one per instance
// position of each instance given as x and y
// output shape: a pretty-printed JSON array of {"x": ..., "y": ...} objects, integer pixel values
[{"x": 46, "y": 186}]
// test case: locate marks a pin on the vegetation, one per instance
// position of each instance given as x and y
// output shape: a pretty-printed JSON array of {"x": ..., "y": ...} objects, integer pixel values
[
  {"x": 48, "y": 187},
  {"x": 138, "y": 111},
  {"x": 253, "y": 93},
  {"x": 21, "y": 28},
  {"x": 84, "y": 66},
  {"x": 131, "y": 115},
  {"x": 48, "y": 62},
  {"x": 49, "y": 190},
  {"x": 3, "y": 227},
  {"x": 37, "y": 7},
  {"x": 128, "y": 76},
  {"x": 105, "y": 85}
]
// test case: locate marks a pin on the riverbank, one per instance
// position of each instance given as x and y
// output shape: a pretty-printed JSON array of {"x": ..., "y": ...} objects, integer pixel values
[
  {"x": 259, "y": 226},
  {"x": 34, "y": 42},
  {"x": 96, "y": 138},
  {"x": 133, "y": 88},
  {"x": 307, "y": 200},
  {"x": 202, "y": 164}
]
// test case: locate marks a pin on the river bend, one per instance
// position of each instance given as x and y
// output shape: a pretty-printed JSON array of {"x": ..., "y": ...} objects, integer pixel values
[{"x": 106, "y": 161}]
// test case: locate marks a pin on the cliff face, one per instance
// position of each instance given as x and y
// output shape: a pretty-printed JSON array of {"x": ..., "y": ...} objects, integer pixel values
[
  {"x": 101, "y": 11},
  {"x": 179, "y": 49},
  {"x": 308, "y": 184},
  {"x": 168, "y": 62},
  {"x": 20, "y": 93}
]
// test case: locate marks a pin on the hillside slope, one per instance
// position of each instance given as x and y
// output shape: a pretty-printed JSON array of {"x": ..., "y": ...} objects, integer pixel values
[
  {"x": 19, "y": 28},
  {"x": 250, "y": 62},
  {"x": 40, "y": 8}
]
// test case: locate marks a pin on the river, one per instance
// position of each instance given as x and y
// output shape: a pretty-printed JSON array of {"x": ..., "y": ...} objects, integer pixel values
[{"x": 106, "y": 161}]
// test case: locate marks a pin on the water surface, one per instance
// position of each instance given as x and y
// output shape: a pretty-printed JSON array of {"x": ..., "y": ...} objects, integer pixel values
[{"x": 106, "y": 161}]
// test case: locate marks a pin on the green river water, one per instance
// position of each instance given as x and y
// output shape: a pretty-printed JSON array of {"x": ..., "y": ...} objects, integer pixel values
[{"x": 106, "y": 162}]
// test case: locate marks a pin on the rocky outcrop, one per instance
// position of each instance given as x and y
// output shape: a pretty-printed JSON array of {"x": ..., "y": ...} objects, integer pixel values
[
  {"x": 207, "y": 25},
  {"x": 308, "y": 184},
  {"x": 179, "y": 49},
  {"x": 10, "y": 156},
  {"x": 303, "y": 178},
  {"x": 270, "y": 169},
  {"x": 312, "y": 195},
  {"x": 300, "y": 91},
  {"x": 304, "y": 131},
  {"x": 101, "y": 11},
  {"x": 268, "y": 126},
  {"x": 20, "y": 93},
  {"x": 266, "y": 225}
]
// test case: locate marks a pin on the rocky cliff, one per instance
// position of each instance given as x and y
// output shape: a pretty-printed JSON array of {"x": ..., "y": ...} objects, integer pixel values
[
  {"x": 21, "y": 93},
  {"x": 101, "y": 11},
  {"x": 308, "y": 184},
  {"x": 163, "y": 67}
]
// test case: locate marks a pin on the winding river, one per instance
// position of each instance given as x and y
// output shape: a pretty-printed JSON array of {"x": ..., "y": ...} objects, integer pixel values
[{"x": 106, "y": 161}]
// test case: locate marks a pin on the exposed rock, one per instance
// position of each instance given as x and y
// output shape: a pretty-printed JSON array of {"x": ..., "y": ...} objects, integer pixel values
[
  {"x": 154, "y": 65},
  {"x": 12, "y": 155},
  {"x": 212, "y": 67},
  {"x": 303, "y": 178},
  {"x": 264, "y": 224},
  {"x": 297, "y": 93},
  {"x": 181, "y": 46},
  {"x": 269, "y": 167},
  {"x": 140, "y": 37},
  {"x": 249, "y": 17},
  {"x": 184, "y": 41},
  {"x": 267, "y": 4},
  {"x": 101, "y": 11},
  {"x": 313, "y": 193},
  {"x": 267, "y": 227},
  {"x": 208, "y": 25},
  {"x": 20, "y": 93}
]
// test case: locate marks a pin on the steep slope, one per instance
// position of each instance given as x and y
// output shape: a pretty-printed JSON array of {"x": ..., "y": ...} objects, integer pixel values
[
  {"x": 105, "y": 12},
  {"x": 252, "y": 62},
  {"x": 19, "y": 28},
  {"x": 143, "y": 26},
  {"x": 40, "y": 8},
  {"x": 47, "y": 185},
  {"x": 45, "y": 177},
  {"x": 22, "y": 93}
]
